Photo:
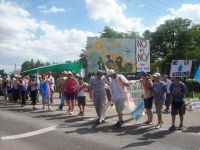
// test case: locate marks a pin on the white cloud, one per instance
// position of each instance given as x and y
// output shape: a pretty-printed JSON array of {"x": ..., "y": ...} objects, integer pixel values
[
  {"x": 141, "y": 6},
  {"x": 186, "y": 11},
  {"x": 112, "y": 13},
  {"x": 53, "y": 9},
  {"x": 20, "y": 41}
]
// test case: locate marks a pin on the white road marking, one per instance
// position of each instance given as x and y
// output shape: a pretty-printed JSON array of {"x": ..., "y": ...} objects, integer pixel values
[
  {"x": 41, "y": 131},
  {"x": 29, "y": 134}
]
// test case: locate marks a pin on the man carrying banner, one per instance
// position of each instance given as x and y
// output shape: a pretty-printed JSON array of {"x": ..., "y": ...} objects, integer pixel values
[{"x": 118, "y": 84}]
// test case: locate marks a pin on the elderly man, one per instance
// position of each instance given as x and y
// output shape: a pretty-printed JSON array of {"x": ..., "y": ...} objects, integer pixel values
[
  {"x": 118, "y": 84},
  {"x": 98, "y": 93}
]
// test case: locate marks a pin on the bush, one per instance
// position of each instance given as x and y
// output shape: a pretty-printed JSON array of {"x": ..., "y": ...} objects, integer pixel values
[{"x": 192, "y": 85}]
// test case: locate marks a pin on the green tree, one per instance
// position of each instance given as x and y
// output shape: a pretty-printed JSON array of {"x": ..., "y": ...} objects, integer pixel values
[
  {"x": 110, "y": 33},
  {"x": 26, "y": 66},
  {"x": 175, "y": 39},
  {"x": 38, "y": 64}
]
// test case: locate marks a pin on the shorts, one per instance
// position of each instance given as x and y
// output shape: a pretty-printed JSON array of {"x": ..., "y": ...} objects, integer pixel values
[
  {"x": 159, "y": 105},
  {"x": 178, "y": 108},
  {"x": 148, "y": 102},
  {"x": 70, "y": 96},
  {"x": 120, "y": 105},
  {"x": 81, "y": 101}
]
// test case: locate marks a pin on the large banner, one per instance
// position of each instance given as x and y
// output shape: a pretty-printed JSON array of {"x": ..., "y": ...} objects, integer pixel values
[
  {"x": 113, "y": 53},
  {"x": 143, "y": 55},
  {"x": 136, "y": 90},
  {"x": 180, "y": 68},
  {"x": 197, "y": 75}
]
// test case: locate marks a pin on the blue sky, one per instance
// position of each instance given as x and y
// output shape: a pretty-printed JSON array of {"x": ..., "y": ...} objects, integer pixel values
[{"x": 56, "y": 30}]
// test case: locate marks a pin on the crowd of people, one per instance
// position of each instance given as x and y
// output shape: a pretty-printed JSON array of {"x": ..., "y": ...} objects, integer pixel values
[{"x": 110, "y": 87}]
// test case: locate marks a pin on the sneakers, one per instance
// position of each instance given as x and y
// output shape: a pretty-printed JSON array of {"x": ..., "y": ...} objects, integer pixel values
[
  {"x": 81, "y": 114},
  {"x": 172, "y": 128},
  {"x": 166, "y": 110},
  {"x": 118, "y": 124},
  {"x": 180, "y": 127},
  {"x": 71, "y": 113},
  {"x": 59, "y": 109}
]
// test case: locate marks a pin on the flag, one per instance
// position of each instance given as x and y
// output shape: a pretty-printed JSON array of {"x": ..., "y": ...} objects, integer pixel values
[{"x": 138, "y": 112}]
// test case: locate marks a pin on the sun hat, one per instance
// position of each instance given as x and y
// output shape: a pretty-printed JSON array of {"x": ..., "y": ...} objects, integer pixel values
[
  {"x": 110, "y": 72},
  {"x": 157, "y": 75}
]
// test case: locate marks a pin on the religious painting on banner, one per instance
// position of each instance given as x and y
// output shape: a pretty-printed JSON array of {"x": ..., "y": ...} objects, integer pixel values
[
  {"x": 112, "y": 53},
  {"x": 180, "y": 68},
  {"x": 143, "y": 55}
]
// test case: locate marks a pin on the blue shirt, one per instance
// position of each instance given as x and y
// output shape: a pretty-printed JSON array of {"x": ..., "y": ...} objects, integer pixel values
[
  {"x": 176, "y": 96},
  {"x": 159, "y": 89}
]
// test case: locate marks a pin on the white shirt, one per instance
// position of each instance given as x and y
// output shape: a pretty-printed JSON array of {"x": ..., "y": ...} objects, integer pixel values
[
  {"x": 81, "y": 89},
  {"x": 168, "y": 84},
  {"x": 118, "y": 92}
]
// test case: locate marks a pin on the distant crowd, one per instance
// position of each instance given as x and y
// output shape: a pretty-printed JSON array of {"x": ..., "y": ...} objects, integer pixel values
[{"x": 109, "y": 88}]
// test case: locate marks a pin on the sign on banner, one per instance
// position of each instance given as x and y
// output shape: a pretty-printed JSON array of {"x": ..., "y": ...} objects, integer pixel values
[
  {"x": 143, "y": 55},
  {"x": 195, "y": 103},
  {"x": 136, "y": 90},
  {"x": 180, "y": 68}
]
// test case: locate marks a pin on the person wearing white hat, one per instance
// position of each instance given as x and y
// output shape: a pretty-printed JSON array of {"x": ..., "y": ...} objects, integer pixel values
[
  {"x": 98, "y": 94},
  {"x": 118, "y": 84},
  {"x": 70, "y": 89},
  {"x": 159, "y": 90}
]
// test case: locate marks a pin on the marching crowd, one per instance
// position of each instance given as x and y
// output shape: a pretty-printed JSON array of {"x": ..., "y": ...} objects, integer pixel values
[{"x": 110, "y": 87}]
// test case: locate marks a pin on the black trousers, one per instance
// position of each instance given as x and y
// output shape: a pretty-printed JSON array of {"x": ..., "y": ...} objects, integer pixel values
[
  {"x": 23, "y": 97},
  {"x": 33, "y": 97},
  {"x": 15, "y": 93}
]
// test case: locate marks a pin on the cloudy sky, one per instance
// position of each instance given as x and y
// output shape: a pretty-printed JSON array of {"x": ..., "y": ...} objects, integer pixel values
[{"x": 56, "y": 30}]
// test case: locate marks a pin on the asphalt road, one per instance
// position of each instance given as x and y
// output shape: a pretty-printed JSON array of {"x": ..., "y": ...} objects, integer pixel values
[{"x": 25, "y": 129}]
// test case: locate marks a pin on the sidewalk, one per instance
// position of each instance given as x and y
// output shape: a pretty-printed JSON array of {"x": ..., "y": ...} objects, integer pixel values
[{"x": 191, "y": 120}]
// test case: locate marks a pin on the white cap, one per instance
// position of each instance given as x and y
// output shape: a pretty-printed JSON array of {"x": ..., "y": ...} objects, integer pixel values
[
  {"x": 65, "y": 72},
  {"x": 110, "y": 72},
  {"x": 69, "y": 72}
]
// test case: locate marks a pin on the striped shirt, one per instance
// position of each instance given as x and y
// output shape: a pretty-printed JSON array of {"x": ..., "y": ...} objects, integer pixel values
[{"x": 98, "y": 86}]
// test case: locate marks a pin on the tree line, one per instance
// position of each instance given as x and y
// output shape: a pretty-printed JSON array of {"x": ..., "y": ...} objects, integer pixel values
[{"x": 175, "y": 39}]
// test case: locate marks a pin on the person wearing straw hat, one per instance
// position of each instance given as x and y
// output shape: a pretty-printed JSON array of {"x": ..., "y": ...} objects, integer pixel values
[{"x": 159, "y": 90}]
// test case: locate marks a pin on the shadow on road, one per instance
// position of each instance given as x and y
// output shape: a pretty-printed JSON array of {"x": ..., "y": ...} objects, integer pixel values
[
  {"x": 136, "y": 144},
  {"x": 192, "y": 129}
]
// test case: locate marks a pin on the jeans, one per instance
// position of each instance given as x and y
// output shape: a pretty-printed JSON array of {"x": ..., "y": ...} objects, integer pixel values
[{"x": 62, "y": 101}]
